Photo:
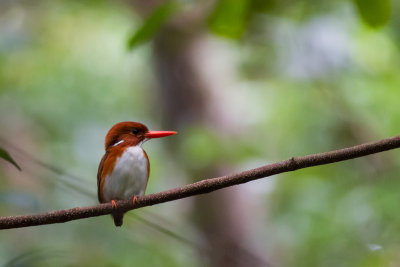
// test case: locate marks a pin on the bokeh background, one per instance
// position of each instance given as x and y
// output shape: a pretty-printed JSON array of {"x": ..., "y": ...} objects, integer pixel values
[{"x": 245, "y": 83}]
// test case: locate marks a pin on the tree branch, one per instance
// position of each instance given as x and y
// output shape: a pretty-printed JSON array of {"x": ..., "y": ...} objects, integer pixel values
[{"x": 203, "y": 186}]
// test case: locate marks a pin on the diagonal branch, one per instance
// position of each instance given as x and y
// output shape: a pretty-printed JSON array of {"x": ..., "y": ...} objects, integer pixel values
[{"x": 203, "y": 186}]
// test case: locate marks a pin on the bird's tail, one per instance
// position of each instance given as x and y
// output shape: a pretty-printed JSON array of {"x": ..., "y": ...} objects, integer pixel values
[{"x": 118, "y": 218}]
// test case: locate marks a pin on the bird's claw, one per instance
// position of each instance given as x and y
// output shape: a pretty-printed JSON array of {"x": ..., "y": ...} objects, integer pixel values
[
  {"x": 134, "y": 199},
  {"x": 114, "y": 204}
]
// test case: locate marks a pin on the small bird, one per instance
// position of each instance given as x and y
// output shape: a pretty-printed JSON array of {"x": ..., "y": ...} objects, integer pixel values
[{"x": 124, "y": 169}]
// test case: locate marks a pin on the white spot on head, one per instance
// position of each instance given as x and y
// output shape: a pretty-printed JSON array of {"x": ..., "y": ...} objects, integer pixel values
[{"x": 117, "y": 143}]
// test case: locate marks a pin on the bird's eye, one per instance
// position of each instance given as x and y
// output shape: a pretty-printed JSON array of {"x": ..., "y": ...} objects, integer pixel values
[{"x": 135, "y": 131}]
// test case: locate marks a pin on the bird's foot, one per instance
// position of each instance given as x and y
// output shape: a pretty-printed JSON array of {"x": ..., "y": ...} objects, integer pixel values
[
  {"x": 114, "y": 204},
  {"x": 134, "y": 199}
]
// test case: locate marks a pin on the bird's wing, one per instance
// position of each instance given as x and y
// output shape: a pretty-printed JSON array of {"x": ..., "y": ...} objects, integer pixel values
[{"x": 100, "y": 170}]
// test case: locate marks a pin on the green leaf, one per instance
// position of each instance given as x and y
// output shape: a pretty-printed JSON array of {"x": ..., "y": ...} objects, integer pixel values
[
  {"x": 152, "y": 24},
  {"x": 230, "y": 18},
  {"x": 5, "y": 155},
  {"x": 375, "y": 13},
  {"x": 263, "y": 5}
]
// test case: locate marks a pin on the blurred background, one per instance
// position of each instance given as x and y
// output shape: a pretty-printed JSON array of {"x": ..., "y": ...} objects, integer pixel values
[{"x": 245, "y": 83}]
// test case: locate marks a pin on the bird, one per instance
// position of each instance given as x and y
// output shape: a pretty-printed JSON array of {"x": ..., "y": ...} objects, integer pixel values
[{"x": 124, "y": 169}]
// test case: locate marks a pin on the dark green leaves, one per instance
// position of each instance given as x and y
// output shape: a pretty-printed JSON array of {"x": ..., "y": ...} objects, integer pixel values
[
  {"x": 230, "y": 18},
  {"x": 5, "y": 155},
  {"x": 374, "y": 12},
  {"x": 152, "y": 24}
]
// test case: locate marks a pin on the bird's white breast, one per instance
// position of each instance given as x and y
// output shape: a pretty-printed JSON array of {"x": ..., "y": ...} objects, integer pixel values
[{"x": 129, "y": 176}]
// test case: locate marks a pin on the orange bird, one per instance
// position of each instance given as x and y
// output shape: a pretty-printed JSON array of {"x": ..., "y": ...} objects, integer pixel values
[{"x": 124, "y": 169}]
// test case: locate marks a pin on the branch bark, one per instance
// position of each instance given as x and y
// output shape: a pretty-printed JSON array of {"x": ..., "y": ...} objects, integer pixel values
[{"x": 203, "y": 186}]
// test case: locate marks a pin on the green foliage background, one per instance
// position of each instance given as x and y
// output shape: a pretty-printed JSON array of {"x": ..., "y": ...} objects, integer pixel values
[{"x": 309, "y": 77}]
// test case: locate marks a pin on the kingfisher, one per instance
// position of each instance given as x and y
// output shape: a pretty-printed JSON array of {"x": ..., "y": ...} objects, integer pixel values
[{"x": 124, "y": 169}]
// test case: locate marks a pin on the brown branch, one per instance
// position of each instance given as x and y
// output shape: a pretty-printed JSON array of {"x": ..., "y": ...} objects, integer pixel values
[{"x": 203, "y": 186}]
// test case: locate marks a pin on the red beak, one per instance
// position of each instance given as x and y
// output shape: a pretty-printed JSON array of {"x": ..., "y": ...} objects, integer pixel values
[{"x": 158, "y": 134}]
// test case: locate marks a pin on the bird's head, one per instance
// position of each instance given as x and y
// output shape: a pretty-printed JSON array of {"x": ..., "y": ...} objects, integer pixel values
[{"x": 132, "y": 134}]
